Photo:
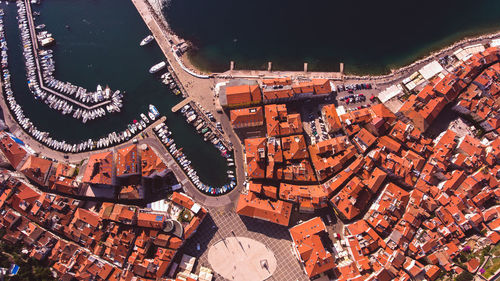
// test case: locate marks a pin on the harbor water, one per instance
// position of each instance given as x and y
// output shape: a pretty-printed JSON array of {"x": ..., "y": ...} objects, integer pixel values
[
  {"x": 97, "y": 42},
  {"x": 368, "y": 36}
]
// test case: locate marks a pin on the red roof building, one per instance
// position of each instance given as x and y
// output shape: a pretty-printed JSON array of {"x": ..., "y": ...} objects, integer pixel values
[
  {"x": 331, "y": 117},
  {"x": 279, "y": 122},
  {"x": 242, "y": 95},
  {"x": 127, "y": 161},
  {"x": 251, "y": 205},
  {"x": 247, "y": 117},
  {"x": 36, "y": 169},
  {"x": 14, "y": 152},
  {"x": 99, "y": 169},
  {"x": 150, "y": 162},
  {"x": 255, "y": 151},
  {"x": 309, "y": 249}
]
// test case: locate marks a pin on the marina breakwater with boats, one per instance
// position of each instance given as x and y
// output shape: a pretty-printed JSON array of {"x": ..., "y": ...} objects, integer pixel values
[
  {"x": 28, "y": 126},
  {"x": 65, "y": 97},
  {"x": 16, "y": 110}
]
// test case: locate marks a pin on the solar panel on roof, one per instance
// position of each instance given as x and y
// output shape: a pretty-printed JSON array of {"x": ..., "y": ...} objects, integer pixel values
[{"x": 159, "y": 218}]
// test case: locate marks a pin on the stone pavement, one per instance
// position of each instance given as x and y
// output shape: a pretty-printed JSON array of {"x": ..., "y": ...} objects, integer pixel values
[
  {"x": 223, "y": 224},
  {"x": 242, "y": 259}
]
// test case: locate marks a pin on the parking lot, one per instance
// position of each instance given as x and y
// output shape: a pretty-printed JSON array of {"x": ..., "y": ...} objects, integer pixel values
[
  {"x": 313, "y": 123},
  {"x": 356, "y": 96}
]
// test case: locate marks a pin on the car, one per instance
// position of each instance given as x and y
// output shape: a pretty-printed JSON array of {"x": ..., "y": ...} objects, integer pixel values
[
  {"x": 328, "y": 218},
  {"x": 198, "y": 248},
  {"x": 359, "y": 107},
  {"x": 347, "y": 101}
]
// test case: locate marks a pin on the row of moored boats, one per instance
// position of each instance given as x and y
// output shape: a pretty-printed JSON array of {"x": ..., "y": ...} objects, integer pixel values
[
  {"x": 44, "y": 137},
  {"x": 65, "y": 97},
  {"x": 165, "y": 136},
  {"x": 201, "y": 126}
]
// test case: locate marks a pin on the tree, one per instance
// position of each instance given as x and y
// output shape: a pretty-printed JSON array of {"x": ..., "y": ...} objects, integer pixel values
[{"x": 465, "y": 276}]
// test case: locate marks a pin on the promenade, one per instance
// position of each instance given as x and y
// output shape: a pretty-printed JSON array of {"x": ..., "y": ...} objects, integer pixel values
[{"x": 199, "y": 89}]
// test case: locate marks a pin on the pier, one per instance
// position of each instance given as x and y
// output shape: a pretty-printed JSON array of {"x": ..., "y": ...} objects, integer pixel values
[
  {"x": 177, "y": 82},
  {"x": 180, "y": 105}
]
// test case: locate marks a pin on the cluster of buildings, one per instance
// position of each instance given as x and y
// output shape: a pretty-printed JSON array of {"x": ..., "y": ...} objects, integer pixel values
[
  {"x": 96, "y": 241},
  {"x": 239, "y": 93},
  {"x": 411, "y": 204},
  {"x": 131, "y": 172},
  {"x": 45, "y": 211},
  {"x": 479, "y": 73}
]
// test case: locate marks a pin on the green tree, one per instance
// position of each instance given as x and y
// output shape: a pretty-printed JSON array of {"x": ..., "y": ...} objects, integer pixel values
[{"x": 465, "y": 276}]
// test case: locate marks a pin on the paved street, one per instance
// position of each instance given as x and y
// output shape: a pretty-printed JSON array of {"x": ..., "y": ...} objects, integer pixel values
[{"x": 221, "y": 224}]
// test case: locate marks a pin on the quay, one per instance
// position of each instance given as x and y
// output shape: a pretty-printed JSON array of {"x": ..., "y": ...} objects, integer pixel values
[
  {"x": 177, "y": 81},
  {"x": 209, "y": 122},
  {"x": 180, "y": 105},
  {"x": 272, "y": 74},
  {"x": 34, "y": 42},
  {"x": 213, "y": 128},
  {"x": 223, "y": 201}
]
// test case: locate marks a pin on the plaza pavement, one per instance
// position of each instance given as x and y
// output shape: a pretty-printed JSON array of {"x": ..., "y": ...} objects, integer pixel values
[{"x": 220, "y": 224}]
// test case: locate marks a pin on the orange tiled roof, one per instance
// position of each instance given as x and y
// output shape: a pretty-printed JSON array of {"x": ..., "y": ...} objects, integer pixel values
[
  {"x": 303, "y": 88},
  {"x": 256, "y": 157},
  {"x": 331, "y": 117},
  {"x": 12, "y": 150},
  {"x": 36, "y": 169},
  {"x": 150, "y": 162},
  {"x": 352, "y": 199},
  {"x": 310, "y": 248},
  {"x": 321, "y": 86},
  {"x": 127, "y": 161},
  {"x": 252, "y": 206},
  {"x": 243, "y": 94},
  {"x": 294, "y": 147},
  {"x": 277, "y": 81},
  {"x": 247, "y": 117},
  {"x": 182, "y": 199},
  {"x": 279, "y": 122},
  {"x": 364, "y": 140},
  {"x": 99, "y": 169}
]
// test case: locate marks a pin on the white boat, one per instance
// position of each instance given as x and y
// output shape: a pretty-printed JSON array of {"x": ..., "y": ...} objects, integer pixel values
[
  {"x": 151, "y": 116},
  {"x": 153, "y": 110},
  {"x": 146, "y": 40},
  {"x": 143, "y": 116},
  {"x": 157, "y": 67}
]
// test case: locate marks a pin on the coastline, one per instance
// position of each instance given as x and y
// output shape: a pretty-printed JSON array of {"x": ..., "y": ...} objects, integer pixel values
[
  {"x": 430, "y": 56},
  {"x": 436, "y": 49}
]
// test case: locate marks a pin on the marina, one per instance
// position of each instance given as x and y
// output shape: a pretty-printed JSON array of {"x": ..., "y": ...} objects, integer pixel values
[
  {"x": 65, "y": 97},
  {"x": 165, "y": 136},
  {"x": 128, "y": 77}
]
